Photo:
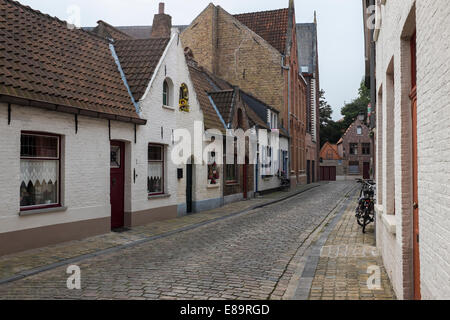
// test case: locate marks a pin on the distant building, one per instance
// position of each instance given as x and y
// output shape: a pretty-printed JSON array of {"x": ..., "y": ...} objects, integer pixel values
[
  {"x": 351, "y": 157},
  {"x": 331, "y": 163},
  {"x": 308, "y": 55},
  {"x": 355, "y": 148}
]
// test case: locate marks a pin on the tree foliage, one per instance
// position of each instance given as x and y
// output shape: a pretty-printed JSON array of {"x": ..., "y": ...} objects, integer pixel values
[
  {"x": 358, "y": 106},
  {"x": 332, "y": 131}
]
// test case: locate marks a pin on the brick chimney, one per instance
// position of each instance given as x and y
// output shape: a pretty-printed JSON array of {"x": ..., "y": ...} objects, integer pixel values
[{"x": 162, "y": 24}]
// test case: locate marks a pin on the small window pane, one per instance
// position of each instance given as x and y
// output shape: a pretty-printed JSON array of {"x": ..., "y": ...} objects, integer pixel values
[
  {"x": 165, "y": 94},
  {"x": 115, "y": 157},
  {"x": 155, "y": 177},
  {"x": 231, "y": 172},
  {"x": 154, "y": 153},
  {"x": 36, "y": 146}
]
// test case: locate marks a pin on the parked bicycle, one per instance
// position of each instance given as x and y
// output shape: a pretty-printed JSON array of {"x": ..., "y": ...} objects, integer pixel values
[{"x": 365, "y": 212}]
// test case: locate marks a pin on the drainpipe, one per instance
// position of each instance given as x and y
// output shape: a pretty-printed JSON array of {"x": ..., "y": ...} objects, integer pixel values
[{"x": 288, "y": 69}]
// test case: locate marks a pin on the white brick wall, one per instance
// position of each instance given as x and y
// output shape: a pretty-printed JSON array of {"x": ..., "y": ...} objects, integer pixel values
[
  {"x": 433, "y": 94},
  {"x": 85, "y": 166}
]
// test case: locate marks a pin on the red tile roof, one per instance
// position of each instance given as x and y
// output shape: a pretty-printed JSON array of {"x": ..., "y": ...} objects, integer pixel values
[
  {"x": 44, "y": 63},
  {"x": 139, "y": 59},
  {"x": 224, "y": 103},
  {"x": 203, "y": 83},
  {"x": 272, "y": 26}
]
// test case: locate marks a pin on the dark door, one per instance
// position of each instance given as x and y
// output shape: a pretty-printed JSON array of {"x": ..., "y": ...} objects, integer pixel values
[
  {"x": 117, "y": 184},
  {"x": 332, "y": 173},
  {"x": 313, "y": 171},
  {"x": 416, "y": 229},
  {"x": 308, "y": 171},
  {"x": 366, "y": 170},
  {"x": 189, "y": 187},
  {"x": 244, "y": 178},
  {"x": 328, "y": 173}
]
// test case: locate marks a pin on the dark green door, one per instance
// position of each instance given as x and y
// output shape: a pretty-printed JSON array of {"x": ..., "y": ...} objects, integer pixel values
[{"x": 189, "y": 188}]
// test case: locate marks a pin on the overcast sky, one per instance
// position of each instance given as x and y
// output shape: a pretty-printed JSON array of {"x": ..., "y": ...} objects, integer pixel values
[{"x": 340, "y": 25}]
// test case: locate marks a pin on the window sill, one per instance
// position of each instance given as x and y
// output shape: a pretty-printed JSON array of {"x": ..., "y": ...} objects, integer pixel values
[
  {"x": 390, "y": 222},
  {"x": 42, "y": 211},
  {"x": 158, "y": 196},
  {"x": 213, "y": 186},
  {"x": 232, "y": 183},
  {"x": 168, "y": 108}
]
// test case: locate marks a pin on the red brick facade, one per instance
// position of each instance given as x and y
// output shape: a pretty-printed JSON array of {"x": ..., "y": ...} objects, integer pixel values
[{"x": 232, "y": 50}]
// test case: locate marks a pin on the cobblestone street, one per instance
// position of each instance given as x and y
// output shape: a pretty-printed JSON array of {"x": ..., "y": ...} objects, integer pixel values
[{"x": 255, "y": 254}]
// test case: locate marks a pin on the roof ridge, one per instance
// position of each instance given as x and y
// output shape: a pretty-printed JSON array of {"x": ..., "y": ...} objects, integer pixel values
[
  {"x": 264, "y": 11},
  {"x": 52, "y": 18},
  {"x": 115, "y": 28}
]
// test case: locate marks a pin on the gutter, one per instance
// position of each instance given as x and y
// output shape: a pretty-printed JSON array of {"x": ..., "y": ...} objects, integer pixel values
[
  {"x": 217, "y": 111},
  {"x": 69, "y": 109},
  {"x": 124, "y": 79},
  {"x": 288, "y": 69}
]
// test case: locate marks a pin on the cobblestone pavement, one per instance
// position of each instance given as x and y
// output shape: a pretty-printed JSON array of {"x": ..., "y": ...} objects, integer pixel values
[
  {"x": 246, "y": 256},
  {"x": 347, "y": 260},
  {"x": 13, "y": 265}
]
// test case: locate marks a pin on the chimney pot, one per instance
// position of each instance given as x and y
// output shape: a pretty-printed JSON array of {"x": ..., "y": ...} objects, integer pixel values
[{"x": 161, "y": 8}]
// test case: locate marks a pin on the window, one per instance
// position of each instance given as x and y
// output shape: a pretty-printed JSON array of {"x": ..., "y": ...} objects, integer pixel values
[
  {"x": 184, "y": 98},
  {"x": 366, "y": 149},
  {"x": 354, "y": 149},
  {"x": 329, "y": 155},
  {"x": 166, "y": 93},
  {"x": 272, "y": 119},
  {"x": 353, "y": 167},
  {"x": 115, "y": 157},
  {"x": 213, "y": 170},
  {"x": 155, "y": 181},
  {"x": 39, "y": 169},
  {"x": 359, "y": 130}
]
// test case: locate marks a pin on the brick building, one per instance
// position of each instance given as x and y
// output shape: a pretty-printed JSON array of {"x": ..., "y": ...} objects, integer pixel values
[
  {"x": 331, "y": 163},
  {"x": 257, "y": 52},
  {"x": 412, "y": 169},
  {"x": 355, "y": 148},
  {"x": 308, "y": 55}
]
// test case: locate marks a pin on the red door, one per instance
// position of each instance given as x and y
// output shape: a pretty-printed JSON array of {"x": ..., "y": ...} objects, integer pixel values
[
  {"x": 366, "y": 170},
  {"x": 328, "y": 173},
  {"x": 117, "y": 184},
  {"x": 416, "y": 251}
]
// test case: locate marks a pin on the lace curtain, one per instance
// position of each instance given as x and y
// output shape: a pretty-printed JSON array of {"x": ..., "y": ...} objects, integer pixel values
[
  {"x": 155, "y": 177},
  {"x": 39, "y": 182}
]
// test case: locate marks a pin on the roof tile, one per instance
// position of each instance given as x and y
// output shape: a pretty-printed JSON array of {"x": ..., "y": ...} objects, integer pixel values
[
  {"x": 43, "y": 60},
  {"x": 271, "y": 25},
  {"x": 139, "y": 59}
]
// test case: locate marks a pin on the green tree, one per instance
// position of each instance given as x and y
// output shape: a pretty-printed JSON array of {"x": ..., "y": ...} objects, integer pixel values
[
  {"x": 330, "y": 130},
  {"x": 325, "y": 109},
  {"x": 358, "y": 106}
]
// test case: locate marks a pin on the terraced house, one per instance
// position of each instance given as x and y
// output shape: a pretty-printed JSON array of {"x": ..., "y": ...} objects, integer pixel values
[
  {"x": 66, "y": 117},
  {"x": 82, "y": 159}
]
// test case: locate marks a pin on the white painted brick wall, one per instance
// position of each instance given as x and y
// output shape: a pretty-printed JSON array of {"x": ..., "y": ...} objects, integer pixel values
[
  {"x": 85, "y": 167},
  {"x": 433, "y": 81}
]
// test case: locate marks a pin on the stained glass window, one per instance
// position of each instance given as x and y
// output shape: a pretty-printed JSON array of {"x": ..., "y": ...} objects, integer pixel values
[{"x": 115, "y": 157}]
